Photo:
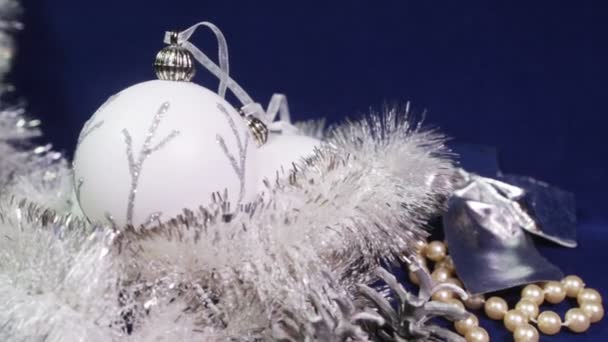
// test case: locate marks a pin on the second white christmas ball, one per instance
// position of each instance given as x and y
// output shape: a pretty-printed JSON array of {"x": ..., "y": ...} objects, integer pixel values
[{"x": 277, "y": 156}]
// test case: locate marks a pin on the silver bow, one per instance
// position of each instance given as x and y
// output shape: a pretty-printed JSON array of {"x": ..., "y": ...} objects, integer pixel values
[{"x": 485, "y": 228}]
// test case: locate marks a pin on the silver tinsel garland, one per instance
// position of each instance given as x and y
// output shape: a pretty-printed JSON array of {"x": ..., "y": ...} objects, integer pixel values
[
  {"x": 213, "y": 274},
  {"x": 290, "y": 266}
]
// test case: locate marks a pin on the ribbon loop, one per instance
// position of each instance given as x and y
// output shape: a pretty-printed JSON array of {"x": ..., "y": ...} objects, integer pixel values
[
  {"x": 278, "y": 102},
  {"x": 222, "y": 47},
  {"x": 278, "y": 106}
]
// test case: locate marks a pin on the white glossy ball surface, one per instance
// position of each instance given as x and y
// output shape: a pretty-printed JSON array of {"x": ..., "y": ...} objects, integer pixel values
[{"x": 186, "y": 127}]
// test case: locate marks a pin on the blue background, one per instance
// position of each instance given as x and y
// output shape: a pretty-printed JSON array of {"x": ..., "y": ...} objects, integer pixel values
[{"x": 528, "y": 77}]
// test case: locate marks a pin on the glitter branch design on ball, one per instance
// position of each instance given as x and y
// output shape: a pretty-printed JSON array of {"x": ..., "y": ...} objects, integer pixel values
[
  {"x": 78, "y": 188},
  {"x": 90, "y": 127},
  {"x": 239, "y": 167},
  {"x": 136, "y": 166}
]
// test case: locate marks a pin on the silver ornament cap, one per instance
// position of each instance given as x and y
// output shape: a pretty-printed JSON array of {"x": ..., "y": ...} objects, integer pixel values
[
  {"x": 174, "y": 62},
  {"x": 257, "y": 128}
]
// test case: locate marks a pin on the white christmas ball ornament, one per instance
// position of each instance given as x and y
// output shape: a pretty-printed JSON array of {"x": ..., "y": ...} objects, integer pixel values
[
  {"x": 159, "y": 147},
  {"x": 280, "y": 153}
]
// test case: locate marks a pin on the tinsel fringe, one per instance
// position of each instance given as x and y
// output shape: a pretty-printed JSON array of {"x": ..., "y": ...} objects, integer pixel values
[{"x": 361, "y": 200}]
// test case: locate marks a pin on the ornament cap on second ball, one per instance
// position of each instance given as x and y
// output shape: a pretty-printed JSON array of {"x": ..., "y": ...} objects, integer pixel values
[{"x": 159, "y": 147}]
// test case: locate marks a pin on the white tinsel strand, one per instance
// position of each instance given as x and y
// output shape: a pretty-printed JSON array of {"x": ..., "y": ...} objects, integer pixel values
[
  {"x": 15, "y": 134},
  {"x": 56, "y": 275},
  {"x": 220, "y": 276},
  {"x": 415, "y": 155},
  {"x": 327, "y": 223},
  {"x": 44, "y": 178},
  {"x": 27, "y": 171},
  {"x": 34, "y": 172},
  {"x": 230, "y": 276},
  {"x": 313, "y": 128},
  {"x": 9, "y": 11},
  {"x": 57, "y": 278}
]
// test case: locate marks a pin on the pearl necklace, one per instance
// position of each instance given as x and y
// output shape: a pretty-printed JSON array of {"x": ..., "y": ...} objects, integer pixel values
[{"x": 526, "y": 311}]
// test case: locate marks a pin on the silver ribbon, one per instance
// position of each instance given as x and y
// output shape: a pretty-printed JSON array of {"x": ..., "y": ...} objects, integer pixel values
[
  {"x": 533, "y": 205},
  {"x": 497, "y": 202},
  {"x": 553, "y": 210},
  {"x": 278, "y": 102},
  {"x": 485, "y": 228}
]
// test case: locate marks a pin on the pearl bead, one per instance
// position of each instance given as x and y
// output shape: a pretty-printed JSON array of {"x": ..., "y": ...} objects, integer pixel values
[
  {"x": 477, "y": 334},
  {"x": 447, "y": 263},
  {"x": 513, "y": 319},
  {"x": 573, "y": 285},
  {"x": 419, "y": 246},
  {"x": 595, "y": 311},
  {"x": 474, "y": 302},
  {"x": 533, "y": 293},
  {"x": 442, "y": 295},
  {"x": 465, "y": 325},
  {"x": 577, "y": 320},
  {"x": 549, "y": 323},
  {"x": 435, "y": 251},
  {"x": 454, "y": 281},
  {"x": 554, "y": 292},
  {"x": 528, "y": 308},
  {"x": 525, "y": 333},
  {"x": 440, "y": 275},
  {"x": 495, "y": 308},
  {"x": 589, "y": 295},
  {"x": 454, "y": 301}
]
